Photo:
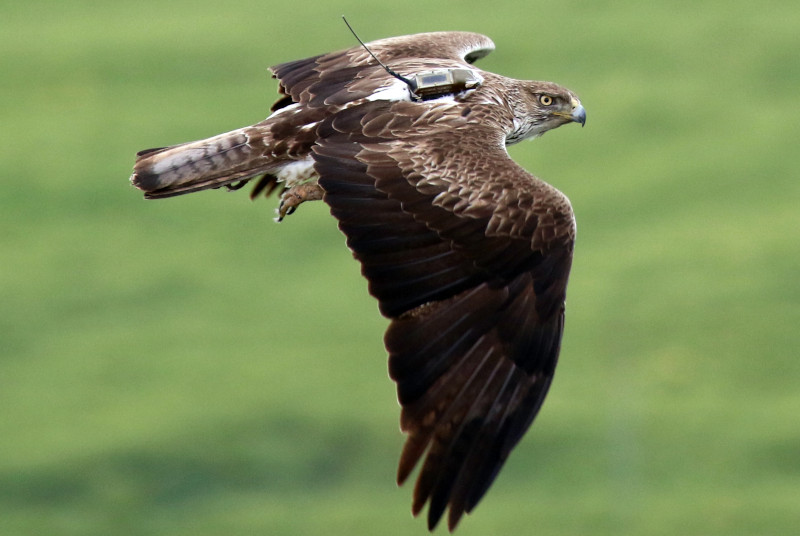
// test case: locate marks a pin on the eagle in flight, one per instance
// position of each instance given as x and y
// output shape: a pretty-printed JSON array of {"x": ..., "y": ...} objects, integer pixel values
[{"x": 467, "y": 253}]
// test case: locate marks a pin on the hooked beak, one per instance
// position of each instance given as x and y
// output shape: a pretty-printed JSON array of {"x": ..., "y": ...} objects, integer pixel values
[{"x": 578, "y": 114}]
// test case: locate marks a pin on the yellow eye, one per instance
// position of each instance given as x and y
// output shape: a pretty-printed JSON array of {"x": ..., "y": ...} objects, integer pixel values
[{"x": 546, "y": 100}]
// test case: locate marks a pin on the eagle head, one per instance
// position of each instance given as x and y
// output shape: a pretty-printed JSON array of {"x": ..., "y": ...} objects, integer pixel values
[{"x": 543, "y": 106}]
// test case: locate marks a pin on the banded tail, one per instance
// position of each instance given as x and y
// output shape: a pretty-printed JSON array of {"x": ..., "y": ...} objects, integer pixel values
[{"x": 221, "y": 160}]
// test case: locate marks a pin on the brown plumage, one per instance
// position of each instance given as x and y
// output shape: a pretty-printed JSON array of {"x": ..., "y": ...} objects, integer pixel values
[{"x": 467, "y": 253}]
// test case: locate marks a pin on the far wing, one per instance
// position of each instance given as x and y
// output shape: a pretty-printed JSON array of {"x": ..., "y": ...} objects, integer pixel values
[
  {"x": 345, "y": 76},
  {"x": 469, "y": 256}
]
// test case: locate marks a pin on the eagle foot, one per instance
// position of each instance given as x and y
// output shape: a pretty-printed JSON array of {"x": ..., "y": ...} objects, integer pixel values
[{"x": 292, "y": 197}]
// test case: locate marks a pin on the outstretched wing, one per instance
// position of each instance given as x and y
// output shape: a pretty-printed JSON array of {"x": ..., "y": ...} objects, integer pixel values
[
  {"x": 469, "y": 256},
  {"x": 341, "y": 77}
]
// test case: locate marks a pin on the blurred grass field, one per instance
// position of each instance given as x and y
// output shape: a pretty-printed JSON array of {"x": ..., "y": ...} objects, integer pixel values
[{"x": 187, "y": 367}]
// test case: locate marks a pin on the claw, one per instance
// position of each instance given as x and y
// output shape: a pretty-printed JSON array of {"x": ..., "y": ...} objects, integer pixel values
[{"x": 294, "y": 196}]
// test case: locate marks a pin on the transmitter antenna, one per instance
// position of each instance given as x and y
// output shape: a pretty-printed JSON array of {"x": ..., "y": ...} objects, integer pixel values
[{"x": 411, "y": 85}]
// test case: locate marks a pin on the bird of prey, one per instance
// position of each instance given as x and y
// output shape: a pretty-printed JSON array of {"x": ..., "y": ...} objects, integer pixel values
[{"x": 466, "y": 252}]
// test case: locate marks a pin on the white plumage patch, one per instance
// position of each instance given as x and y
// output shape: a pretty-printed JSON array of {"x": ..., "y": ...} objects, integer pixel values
[
  {"x": 297, "y": 172},
  {"x": 396, "y": 91},
  {"x": 295, "y": 107}
]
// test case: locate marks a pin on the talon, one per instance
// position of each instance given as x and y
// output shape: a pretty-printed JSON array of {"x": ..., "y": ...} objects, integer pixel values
[{"x": 294, "y": 196}]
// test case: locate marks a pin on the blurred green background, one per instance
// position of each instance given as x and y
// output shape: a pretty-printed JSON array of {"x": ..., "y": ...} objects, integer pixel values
[{"x": 188, "y": 367}]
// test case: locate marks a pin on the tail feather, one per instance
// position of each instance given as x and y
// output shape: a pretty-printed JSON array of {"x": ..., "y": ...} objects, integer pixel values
[{"x": 210, "y": 163}]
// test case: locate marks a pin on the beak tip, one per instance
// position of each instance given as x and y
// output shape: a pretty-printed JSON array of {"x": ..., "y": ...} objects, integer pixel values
[{"x": 579, "y": 115}]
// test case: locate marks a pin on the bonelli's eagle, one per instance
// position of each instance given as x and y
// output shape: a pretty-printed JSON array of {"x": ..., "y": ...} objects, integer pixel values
[{"x": 467, "y": 253}]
